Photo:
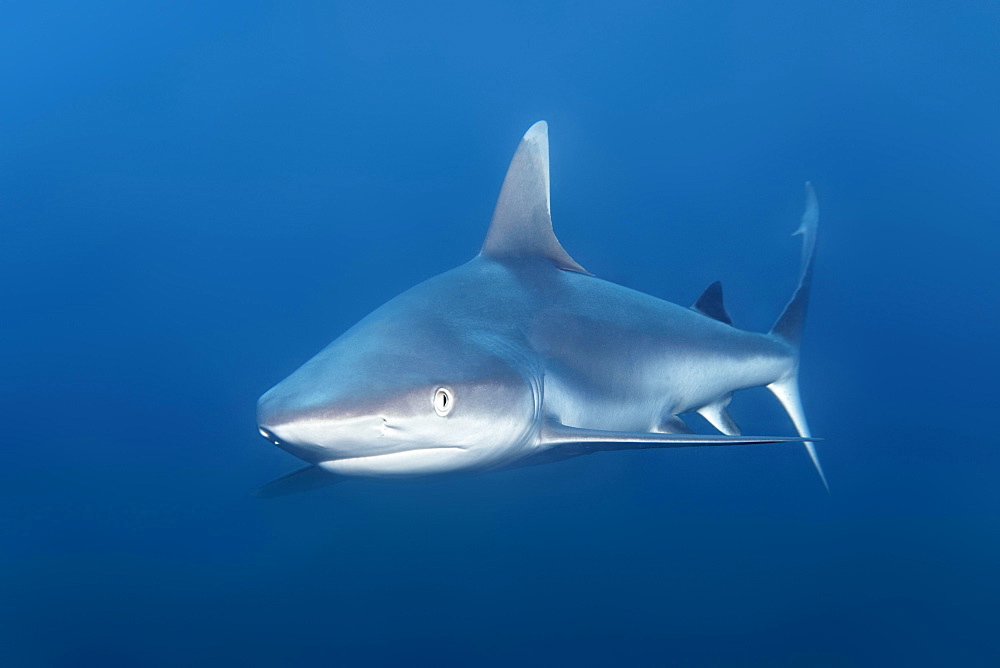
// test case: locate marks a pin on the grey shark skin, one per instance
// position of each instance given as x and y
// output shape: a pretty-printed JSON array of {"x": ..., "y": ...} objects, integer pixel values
[{"x": 520, "y": 356}]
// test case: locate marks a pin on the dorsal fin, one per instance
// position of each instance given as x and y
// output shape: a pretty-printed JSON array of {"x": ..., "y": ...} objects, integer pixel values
[
  {"x": 522, "y": 220},
  {"x": 710, "y": 304}
]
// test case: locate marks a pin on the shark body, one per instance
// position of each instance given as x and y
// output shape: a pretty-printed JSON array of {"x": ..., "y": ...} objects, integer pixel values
[{"x": 520, "y": 356}]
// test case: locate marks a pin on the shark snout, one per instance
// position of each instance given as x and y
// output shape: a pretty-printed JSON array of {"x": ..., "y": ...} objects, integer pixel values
[
  {"x": 317, "y": 435},
  {"x": 277, "y": 424},
  {"x": 269, "y": 417}
]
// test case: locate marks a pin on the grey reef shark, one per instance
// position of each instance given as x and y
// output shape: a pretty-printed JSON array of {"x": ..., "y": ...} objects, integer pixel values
[{"x": 521, "y": 356}]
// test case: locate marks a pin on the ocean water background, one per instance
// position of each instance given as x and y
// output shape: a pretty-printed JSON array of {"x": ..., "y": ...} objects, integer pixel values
[{"x": 196, "y": 199}]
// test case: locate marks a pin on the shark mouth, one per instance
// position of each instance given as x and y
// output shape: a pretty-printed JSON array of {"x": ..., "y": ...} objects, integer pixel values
[{"x": 422, "y": 461}]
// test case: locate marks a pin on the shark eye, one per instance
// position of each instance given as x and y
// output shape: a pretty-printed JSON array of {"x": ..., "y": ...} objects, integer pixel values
[{"x": 443, "y": 401}]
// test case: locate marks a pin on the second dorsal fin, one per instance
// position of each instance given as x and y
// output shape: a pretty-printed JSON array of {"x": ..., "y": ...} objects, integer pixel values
[
  {"x": 522, "y": 221},
  {"x": 710, "y": 304}
]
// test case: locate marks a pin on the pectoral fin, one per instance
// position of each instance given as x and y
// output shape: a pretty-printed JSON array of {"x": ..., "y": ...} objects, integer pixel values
[
  {"x": 303, "y": 480},
  {"x": 557, "y": 435}
]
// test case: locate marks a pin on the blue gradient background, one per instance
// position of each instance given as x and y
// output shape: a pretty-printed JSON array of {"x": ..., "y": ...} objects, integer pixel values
[{"x": 195, "y": 200}]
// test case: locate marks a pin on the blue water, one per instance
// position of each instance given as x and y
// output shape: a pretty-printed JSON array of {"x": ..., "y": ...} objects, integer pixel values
[{"x": 195, "y": 200}]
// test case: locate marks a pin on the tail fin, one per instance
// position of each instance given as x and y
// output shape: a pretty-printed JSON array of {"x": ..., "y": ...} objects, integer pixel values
[
  {"x": 790, "y": 324},
  {"x": 787, "y": 392}
]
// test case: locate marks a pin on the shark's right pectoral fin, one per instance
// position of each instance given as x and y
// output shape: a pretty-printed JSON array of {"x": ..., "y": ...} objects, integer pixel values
[
  {"x": 557, "y": 435},
  {"x": 303, "y": 480}
]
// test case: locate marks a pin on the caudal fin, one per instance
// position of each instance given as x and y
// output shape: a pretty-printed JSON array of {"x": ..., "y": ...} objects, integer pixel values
[
  {"x": 787, "y": 392},
  {"x": 791, "y": 322}
]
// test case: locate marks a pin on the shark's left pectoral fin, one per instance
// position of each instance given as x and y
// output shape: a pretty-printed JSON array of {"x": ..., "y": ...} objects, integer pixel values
[
  {"x": 522, "y": 221},
  {"x": 557, "y": 435},
  {"x": 303, "y": 480}
]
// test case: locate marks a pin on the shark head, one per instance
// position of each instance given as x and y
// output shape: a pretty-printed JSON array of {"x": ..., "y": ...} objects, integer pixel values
[
  {"x": 405, "y": 392},
  {"x": 439, "y": 378}
]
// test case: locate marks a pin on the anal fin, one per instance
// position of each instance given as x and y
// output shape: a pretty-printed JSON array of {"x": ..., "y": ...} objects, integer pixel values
[{"x": 719, "y": 417}]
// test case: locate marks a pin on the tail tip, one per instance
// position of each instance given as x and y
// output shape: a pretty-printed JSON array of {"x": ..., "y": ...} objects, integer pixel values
[{"x": 811, "y": 449}]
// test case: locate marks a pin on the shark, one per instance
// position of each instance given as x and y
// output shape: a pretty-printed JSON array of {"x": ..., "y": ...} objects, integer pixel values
[{"x": 521, "y": 356}]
